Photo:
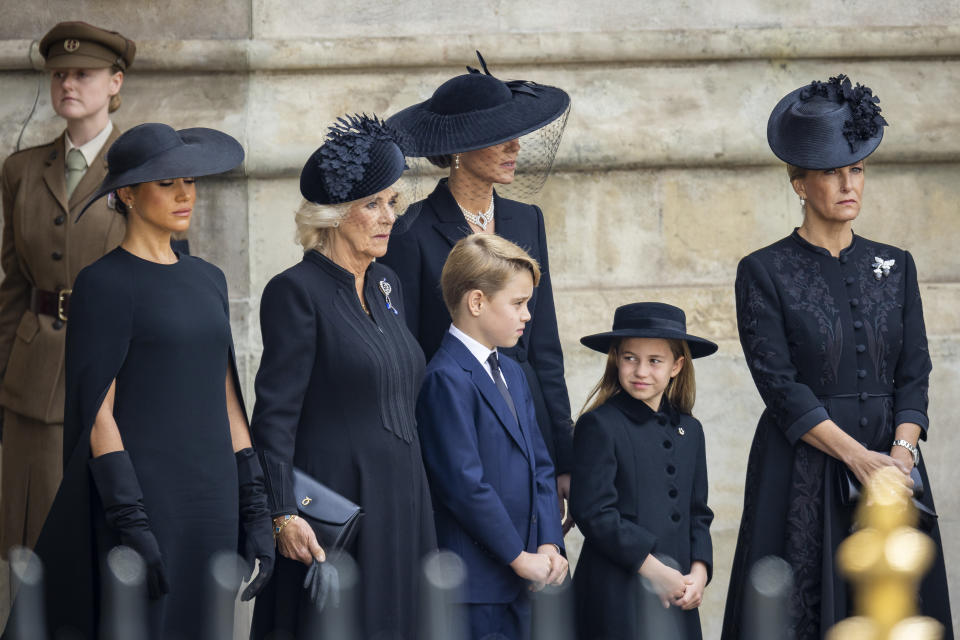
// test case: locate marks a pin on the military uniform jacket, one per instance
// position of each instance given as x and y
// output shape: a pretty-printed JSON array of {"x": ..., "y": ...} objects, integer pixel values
[{"x": 44, "y": 249}]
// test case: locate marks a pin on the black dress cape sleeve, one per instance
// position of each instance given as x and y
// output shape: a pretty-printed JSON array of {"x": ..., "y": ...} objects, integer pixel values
[
  {"x": 760, "y": 322},
  {"x": 594, "y": 499},
  {"x": 98, "y": 337},
  {"x": 288, "y": 323},
  {"x": 546, "y": 357},
  {"x": 912, "y": 374}
]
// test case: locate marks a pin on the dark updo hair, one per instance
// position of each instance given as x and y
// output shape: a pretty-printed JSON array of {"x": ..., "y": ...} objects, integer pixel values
[
  {"x": 119, "y": 205},
  {"x": 443, "y": 162}
]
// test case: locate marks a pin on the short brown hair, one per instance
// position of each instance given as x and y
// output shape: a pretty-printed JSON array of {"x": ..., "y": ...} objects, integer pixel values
[{"x": 483, "y": 261}]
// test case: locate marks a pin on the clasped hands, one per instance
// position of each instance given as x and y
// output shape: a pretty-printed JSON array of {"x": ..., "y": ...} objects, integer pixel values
[
  {"x": 673, "y": 587},
  {"x": 546, "y": 566}
]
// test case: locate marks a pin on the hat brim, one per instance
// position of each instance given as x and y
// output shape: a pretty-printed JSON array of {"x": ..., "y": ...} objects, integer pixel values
[
  {"x": 74, "y": 61},
  {"x": 699, "y": 347},
  {"x": 432, "y": 134},
  {"x": 204, "y": 152},
  {"x": 812, "y": 153}
]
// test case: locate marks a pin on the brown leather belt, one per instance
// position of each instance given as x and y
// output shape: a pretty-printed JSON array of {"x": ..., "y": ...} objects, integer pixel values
[{"x": 55, "y": 304}]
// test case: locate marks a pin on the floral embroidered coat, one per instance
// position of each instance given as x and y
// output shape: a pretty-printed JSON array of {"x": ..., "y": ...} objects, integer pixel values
[{"x": 825, "y": 338}]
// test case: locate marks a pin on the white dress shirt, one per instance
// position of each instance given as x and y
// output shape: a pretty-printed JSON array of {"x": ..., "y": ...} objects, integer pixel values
[{"x": 479, "y": 351}]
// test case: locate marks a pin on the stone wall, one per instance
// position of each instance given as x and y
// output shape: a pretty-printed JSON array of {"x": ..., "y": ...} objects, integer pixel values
[{"x": 663, "y": 180}]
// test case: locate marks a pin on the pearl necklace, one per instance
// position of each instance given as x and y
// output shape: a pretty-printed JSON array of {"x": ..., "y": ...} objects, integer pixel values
[{"x": 481, "y": 219}]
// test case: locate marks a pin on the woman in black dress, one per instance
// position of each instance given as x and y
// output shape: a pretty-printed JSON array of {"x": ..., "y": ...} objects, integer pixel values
[
  {"x": 337, "y": 387},
  {"x": 154, "y": 421},
  {"x": 472, "y": 124},
  {"x": 832, "y": 328}
]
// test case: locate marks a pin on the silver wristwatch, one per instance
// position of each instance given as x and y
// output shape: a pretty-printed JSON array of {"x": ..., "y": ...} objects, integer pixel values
[{"x": 909, "y": 447}]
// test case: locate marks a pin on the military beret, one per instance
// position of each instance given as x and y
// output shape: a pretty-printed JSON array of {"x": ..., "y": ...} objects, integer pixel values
[{"x": 78, "y": 45}]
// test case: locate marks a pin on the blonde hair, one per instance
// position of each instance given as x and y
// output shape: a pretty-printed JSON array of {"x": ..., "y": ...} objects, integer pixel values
[
  {"x": 483, "y": 261},
  {"x": 315, "y": 222},
  {"x": 795, "y": 173},
  {"x": 681, "y": 390},
  {"x": 115, "y": 100}
]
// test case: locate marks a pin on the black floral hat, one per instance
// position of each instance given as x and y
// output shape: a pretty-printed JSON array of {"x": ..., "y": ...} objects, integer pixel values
[
  {"x": 477, "y": 110},
  {"x": 360, "y": 157},
  {"x": 825, "y": 125}
]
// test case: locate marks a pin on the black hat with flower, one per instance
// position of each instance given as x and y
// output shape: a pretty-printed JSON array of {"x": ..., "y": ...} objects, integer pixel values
[
  {"x": 361, "y": 156},
  {"x": 825, "y": 125}
]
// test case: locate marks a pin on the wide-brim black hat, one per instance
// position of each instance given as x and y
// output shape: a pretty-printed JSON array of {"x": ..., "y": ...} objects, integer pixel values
[
  {"x": 825, "y": 125},
  {"x": 360, "y": 157},
  {"x": 477, "y": 110},
  {"x": 155, "y": 151},
  {"x": 649, "y": 320}
]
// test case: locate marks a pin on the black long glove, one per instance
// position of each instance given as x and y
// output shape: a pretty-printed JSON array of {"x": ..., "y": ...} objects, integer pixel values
[
  {"x": 255, "y": 520},
  {"x": 122, "y": 500},
  {"x": 322, "y": 583}
]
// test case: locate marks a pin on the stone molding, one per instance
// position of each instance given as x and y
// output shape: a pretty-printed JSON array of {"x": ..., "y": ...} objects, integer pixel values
[{"x": 680, "y": 45}]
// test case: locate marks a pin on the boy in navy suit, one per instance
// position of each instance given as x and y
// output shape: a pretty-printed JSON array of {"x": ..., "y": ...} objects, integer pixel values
[{"x": 494, "y": 493}]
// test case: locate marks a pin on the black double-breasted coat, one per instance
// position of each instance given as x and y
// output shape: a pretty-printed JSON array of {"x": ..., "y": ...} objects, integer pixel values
[
  {"x": 336, "y": 396},
  {"x": 639, "y": 486},
  {"x": 419, "y": 246},
  {"x": 825, "y": 338}
]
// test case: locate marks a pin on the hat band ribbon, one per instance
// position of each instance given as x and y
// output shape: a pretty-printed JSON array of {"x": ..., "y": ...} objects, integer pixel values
[{"x": 654, "y": 323}]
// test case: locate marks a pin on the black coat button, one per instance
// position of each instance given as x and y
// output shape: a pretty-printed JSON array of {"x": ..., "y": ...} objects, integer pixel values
[
  {"x": 673, "y": 493},
  {"x": 57, "y": 324},
  {"x": 662, "y": 420},
  {"x": 59, "y": 220},
  {"x": 861, "y": 348},
  {"x": 56, "y": 255},
  {"x": 863, "y": 396},
  {"x": 671, "y": 469},
  {"x": 861, "y": 373},
  {"x": 854, "y": 302},
  {"x": 863, "y": 422},
  {"x": 858, "y": 324},
  {"x": 843, "y": 259},
  {"x": 675, "y": 516},
  {"x": 850, "y": 280},
  {"x": 667, "y": 444}
]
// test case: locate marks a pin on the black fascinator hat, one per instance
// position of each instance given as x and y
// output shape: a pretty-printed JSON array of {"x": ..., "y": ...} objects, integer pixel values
[
  {"x": 360, "y": 157},
  {"x": 155, "y": 151},
  {"x": 826, "y": 125},
  {"x": 649, "y": 320},
  {"x": 477, "y": 110}
]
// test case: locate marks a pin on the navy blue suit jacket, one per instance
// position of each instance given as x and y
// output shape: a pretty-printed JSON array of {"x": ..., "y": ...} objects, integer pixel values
[
  {"x": 419, "y": 245},
  {"x": 494, "y": 493}
]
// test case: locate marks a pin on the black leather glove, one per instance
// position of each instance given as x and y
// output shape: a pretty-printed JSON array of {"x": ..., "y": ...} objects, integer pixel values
[
  {"x": 256, "y": 522},
  {"x": 322, "y": 584},
  {"x": 122, "y": 500}
]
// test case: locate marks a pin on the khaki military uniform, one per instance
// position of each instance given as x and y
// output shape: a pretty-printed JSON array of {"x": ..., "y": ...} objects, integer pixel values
[{"x": 42, "y": 249}]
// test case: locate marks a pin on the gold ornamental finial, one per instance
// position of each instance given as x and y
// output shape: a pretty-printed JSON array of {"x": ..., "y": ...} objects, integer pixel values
[{"x": 885, "y": 561}]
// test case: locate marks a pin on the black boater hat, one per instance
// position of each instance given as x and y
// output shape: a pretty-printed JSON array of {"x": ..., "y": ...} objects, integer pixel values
[
  {"x": 477, "y": 110},
  {"x": 649, "y": 320},
  {"x": 826, "y": 125},
  {"x": 155, "y": 151},
  {"x": 360, "y": 157}
]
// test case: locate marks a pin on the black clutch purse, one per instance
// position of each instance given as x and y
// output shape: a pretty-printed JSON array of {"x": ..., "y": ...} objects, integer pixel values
[
  {"x": 332, "y": 517},
  {"x": 850, "y": 490}
]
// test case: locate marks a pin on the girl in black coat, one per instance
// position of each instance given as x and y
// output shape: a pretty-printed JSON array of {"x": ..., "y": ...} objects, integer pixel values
[{"x": 639, "y": 486}]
